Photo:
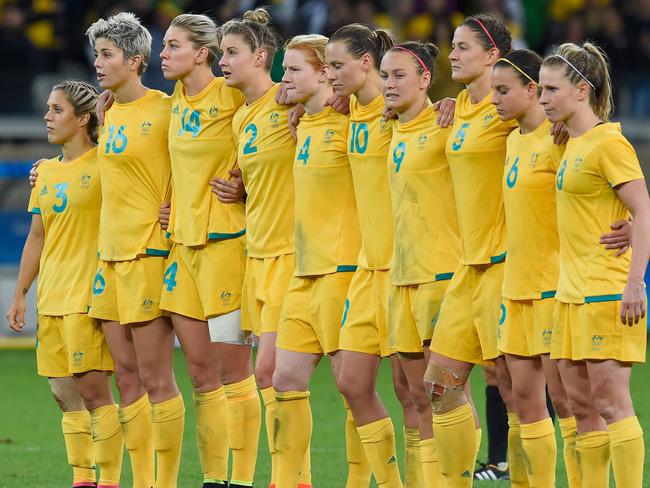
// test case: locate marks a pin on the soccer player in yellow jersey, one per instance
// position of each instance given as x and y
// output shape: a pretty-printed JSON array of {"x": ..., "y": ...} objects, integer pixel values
[
  {"x": 426, "y": 243},
  {"x": 600, "y": 318},
  {"x": 466, "y": 330},
  {"x": 530, "y": 276},
  {"x": 353, "y": 54},
  {"x": 135, "y": 174},
  {"x": 265, "y": 153},
  {"x": 72, "y": 351},
  {"x": 203, "y": 278},
  {"x": 327, "y": 240}
]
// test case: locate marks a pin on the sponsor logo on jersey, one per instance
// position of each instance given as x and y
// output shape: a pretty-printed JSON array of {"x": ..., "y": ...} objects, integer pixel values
[
  {"x": 274, "y": 120},
  {"x": 43, "y": 191},
  {"x": 85, "y": 181},
  {"x": 213, "y": 112}
]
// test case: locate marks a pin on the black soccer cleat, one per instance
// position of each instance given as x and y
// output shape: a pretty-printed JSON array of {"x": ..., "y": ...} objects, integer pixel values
[
  {"x": 491, "y": 472},
  {"x": 213, "y": 484}
]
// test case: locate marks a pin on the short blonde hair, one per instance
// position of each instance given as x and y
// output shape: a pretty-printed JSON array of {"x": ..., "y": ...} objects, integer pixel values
[
  {"x": 201, "y": 31},
  {"x": 311, "y": 44}
]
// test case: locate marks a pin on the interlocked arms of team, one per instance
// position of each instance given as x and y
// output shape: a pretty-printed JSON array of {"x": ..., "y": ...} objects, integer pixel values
[{"x": 338, "y": 213}]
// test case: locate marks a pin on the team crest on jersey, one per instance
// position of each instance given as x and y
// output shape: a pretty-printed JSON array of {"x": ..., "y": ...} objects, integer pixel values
[
  {"x": 175, "y": 110},
  {"x": 145, "y": 128},
  {"x": 547, "y": 334},
  {"x": 274, "y": 120},
  {"x": 147, "y": 305},
  {"x": 487, "y": 120},
  {"x": 422, "y": 142},
  {"x": 577, "y": 163},
  {"x": 226, "y": 297},
  {"x": 329, "y": 135},
  {"x": 383, "y": 125},
  {"x": 213, "y": 112},
  {"x": 77, "y": 357},
  {"x": 533, "y": 160},
  {"x": 85, "y": 181},
  {"x": 597, "y": 342},
  {"x": 43, "y": 191}
]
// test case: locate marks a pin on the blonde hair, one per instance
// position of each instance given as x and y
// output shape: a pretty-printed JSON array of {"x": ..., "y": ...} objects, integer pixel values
[
  {"x": 201, "y": 31},
  {"x": 127, "y": 33},
  {"x": 313, "y": 45},
  {"x": 83, "y": 98},
  {"x": 255, "y": 30},
  {"x": 588, "y": 63}
]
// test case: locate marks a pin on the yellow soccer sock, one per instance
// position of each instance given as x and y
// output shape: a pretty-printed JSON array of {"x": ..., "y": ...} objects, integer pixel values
[
  {"x": 138, "y": 439},
  {"x": 430, "y": 466},
  {"x": 414, "y": 463},
  {"x": 212, "y": 434},
  {"x": 540, "y": 449},
  {"x": 268, "y": 396},
  {"x": 304, "y": 478},
  {"x": 359, "y": 470},
  {"x": 456, "y": 445},
  {"x": 108, "y": 442},
  {"x": 627, "y": 449},
  {"x": 593, "y": 458},
  {"x": 292, "y": 431},
  {"x": 244, "y": 424},
  {"x": 168, "y": 419},
  {"x": 378, "y": 439},
  {"x": 568, "y": 429},
  {"x": 79, "y": 446},
  {"x": 516, "y": 455},
  {"x": 479, "y": 436}
]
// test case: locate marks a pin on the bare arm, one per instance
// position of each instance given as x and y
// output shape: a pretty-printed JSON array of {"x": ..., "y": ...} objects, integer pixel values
[
  {"x": 634, "y": 195},
  {"x": 29, "y": 265}
]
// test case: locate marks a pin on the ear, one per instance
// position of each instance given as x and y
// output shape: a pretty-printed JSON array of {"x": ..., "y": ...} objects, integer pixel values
[
  {"x": 202, "y": 55},
  {"x": 532, "y": 90},
  {"x": 425, "y": 80},
  {"x": 366, "y": 62},
  {"x": 84, "y": 119},
  {"x": 261, "y": 57},
  {"x": 583, "y": 91},
  {"x": 135, "y": 62},
  {"x": 323, "y": 75},
  {"x": 493, "y": 56}
]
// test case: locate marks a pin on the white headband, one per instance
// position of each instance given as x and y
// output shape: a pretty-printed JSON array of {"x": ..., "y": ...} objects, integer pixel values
[{"x": 576, "y": 70}]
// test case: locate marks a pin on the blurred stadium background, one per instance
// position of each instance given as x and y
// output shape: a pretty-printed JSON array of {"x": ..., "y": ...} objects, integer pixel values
[{"x": 42, "y": 42}]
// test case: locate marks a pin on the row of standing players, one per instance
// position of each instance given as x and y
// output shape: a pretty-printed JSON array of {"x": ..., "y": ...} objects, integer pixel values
[{"x": 319, "y": 273}]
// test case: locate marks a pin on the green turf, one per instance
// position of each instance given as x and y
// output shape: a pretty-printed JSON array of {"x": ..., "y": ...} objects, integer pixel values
[{"x": 32, "y": 452}]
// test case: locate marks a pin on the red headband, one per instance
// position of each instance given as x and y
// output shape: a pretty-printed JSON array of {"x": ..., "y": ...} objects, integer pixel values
[
  {"x": 424, "y": 66},
  {"x": 488, "y": 34}
]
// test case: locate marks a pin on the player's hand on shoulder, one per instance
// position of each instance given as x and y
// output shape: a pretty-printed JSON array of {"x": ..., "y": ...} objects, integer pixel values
[
  {"x": 33, "y": 172},
  {"x": 340, "y": 104},
  {"x": 446, "y": 110},
  {"x": 104, "y": 102},
  {"x": 560, "y": 133},
  {"x": 295, "y": 113},
  {"x": 163, "y": 214},
  {"x": 231, "y": 190}
]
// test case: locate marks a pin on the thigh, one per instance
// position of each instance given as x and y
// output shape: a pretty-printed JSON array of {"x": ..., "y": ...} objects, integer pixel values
[
  {"x": 487, "y": 299},
  {"x": 414, "y": 367},
  {"x": 154, "y": 347},
  {"x": 194, "y": 338},
  {"x": 265, "y": 359},
  {"x": 51, "y": 354},
  {"x": 357, "y": 371},
  {"x": 527, "y": 375},
  {"x": 120, "y": 344},
  {"x": 179, "y": 293},
  {"x": 234, "y": 362}
]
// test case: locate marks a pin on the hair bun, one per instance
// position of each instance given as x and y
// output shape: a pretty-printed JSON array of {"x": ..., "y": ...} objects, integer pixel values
[{"x": 259, "y": 15}]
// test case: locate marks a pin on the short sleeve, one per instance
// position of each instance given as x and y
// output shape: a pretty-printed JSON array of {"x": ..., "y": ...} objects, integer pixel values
[
  {"x": 34, "y": 205},
  {"x": 556, "y": 155},
  {"x": 619, "y": 162}
]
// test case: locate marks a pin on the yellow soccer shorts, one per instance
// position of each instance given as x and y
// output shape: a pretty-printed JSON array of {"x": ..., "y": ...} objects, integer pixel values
[
  {"x": 265, "y": 286},
  {"x": 204, "y": 281},
  {"x": 311, "y": 314},
  {"x": 364, "y": 324},
  {"x": 525, "y": 327},
  {"x": 413, "y": 313},
  {"x": 594, "y": 331},
  {"x": 128, "y": 292},
  {"x": 70, "y": 344},
  {"x": 469, "y": 316}
]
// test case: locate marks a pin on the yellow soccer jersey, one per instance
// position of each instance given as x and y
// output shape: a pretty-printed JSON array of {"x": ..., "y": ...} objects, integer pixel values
[
  {"x": 327, "y": 226},
  {"x": 136, "y": 177},
  {"x": 265, "y": 155},
  {"x": 532, "y": 268},
  {"x": 592, "y": 166},
  {"x": 427, "y": 241},
  {"x": 476, "y": 149},
  {"x": 68, "y": 197},
  {"x": 201, "y": 147},
  {"x": 368, "y": 141}
]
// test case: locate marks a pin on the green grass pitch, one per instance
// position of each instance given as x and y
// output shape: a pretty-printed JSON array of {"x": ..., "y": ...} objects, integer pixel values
[{"x": 32, "y": 452}]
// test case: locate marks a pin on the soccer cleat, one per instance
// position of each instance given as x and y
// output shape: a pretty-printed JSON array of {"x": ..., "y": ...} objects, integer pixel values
[
  {"x": 215, "y": 484},
  {"x": 86, "y": 484},
  {"x": 239, "y": 486},
  {"x": 492, "y": 472}
]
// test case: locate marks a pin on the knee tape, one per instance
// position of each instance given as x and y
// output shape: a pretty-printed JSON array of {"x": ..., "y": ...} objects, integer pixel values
[
  {"x": 226, "y": 328},
  {"x": 446, "y": 387}
]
